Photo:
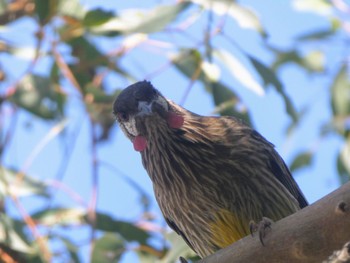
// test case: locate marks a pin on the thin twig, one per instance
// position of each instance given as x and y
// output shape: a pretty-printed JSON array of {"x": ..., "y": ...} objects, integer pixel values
[
  {"x": 65, "y": 68},
  {"x": 19, "y": 178},
  {"x": 68, "y": 150},
  {"x": 39, "y": 239},
  {"x": 55, "y": 130},
  {"x": 194, "y": 78},
  {"x": 70, "y": 192},
  {"x": 6, "y": 258}
]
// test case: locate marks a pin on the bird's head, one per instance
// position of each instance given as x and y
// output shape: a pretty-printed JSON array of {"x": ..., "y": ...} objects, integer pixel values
[{"x": 139, "y": 106}]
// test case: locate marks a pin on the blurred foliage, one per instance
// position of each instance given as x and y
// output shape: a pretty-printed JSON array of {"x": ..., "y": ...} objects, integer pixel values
[{"x": 71, "y": 38}]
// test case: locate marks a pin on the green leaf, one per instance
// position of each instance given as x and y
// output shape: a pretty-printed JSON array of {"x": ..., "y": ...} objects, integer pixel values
[
  {"x": 20, "y": 185},
  {"x": 320, "y": 7},
  {"x": 3, "y": 6},
  {"x": 38, "y": 95},
  {"x": 239, "y": 71},
  {"x": 179, "y": 248},
  {"x": 312, "y": 61},
  {"x": 108, "y": 248},
  {"x": 99, "y": 108},
  {"x": 87, "y": 52},
  {"x": 60, "y": 217},
  {"x": 24, "y": 52},
  {"x": 72, "y": 249},
  {"x": 228, "y": 103},
  {"x": 76, "y": 216},
  {"x": 43, "y": 10},
  {"x": 269, "y": 77},
  {"x": 188, "y": 62},
  {"x": 316, "y": 35},
  {"x": 11, "y": 238},
  {"x": 142, "y": 21},
  {"x": 99, "y": 95},
  {"x": 244, "y": 16},
  {"x": 97, "y": 17},
  {"x": 71, "y": 8},
  {"x": 89, "y": 58},
  {"x": 343, "y": 164},
  {"x": 127, "y": 230},
  {"x": 301, "y": 160},
  {"x": 340, "y": 92},
  {"x": 284, "y": 57},
  {"x": 145, "y": 257}
]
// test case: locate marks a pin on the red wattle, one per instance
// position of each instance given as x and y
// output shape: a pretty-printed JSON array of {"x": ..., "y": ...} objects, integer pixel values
[
  {"x": 140, "y": 143},
  {"x": 174, "y": 120}
]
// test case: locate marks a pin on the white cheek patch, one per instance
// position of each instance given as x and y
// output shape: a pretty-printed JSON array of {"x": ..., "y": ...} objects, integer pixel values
[{"x": 130, "y": 126}]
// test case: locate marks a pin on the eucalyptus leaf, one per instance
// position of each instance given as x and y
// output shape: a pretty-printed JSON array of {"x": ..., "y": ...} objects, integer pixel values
[
  {"x": 71, "y": 8},
  {"x": 189, "y": 62},
  {"x": 319, "y": 7},
  {"x": 89, "y": 58},
  {"x": 343, "y": 163},
  {"x": 97, "y": 17},
  {"x": 270, "y": 77},
  {"x": 228, "y": 103},
  {"x": 244, "y": 16},
  {"x": 142, "y": 21},
  {"x": 38, "y": 95},
  {"x": 303, "y": 159},
  {"x": 239, "y": 71},
  {"x": 127, "y": 230},
  {"x": 3, "y": 6},
  {"x": 20, "y": 185},
  {"x": 72, "y": 249},
  {"x": 11, "y": 238},
  {"x": 145, "y": 257},
  {"x": 179, "y": 249},
  {"x": 58, "y": 216},
  {"x": 24, "y": 52},
  {"x": 340, "y": 92},
  {"x": 312, "y": 62},
  {"x": 42, "y": 9},
  {"x": 316, "y": 35},
  {"x": 99, "y": 108},
  {"x": 108, "y": 249}
]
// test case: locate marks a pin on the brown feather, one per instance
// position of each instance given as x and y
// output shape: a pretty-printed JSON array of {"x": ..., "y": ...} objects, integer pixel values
[{"x": 214, "y": 175}]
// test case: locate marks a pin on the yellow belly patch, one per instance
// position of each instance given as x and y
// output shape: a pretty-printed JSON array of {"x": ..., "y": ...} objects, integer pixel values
[{"x": 228, "y": 228}]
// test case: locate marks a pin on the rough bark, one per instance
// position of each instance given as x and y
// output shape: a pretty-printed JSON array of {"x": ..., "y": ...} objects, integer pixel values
[{"x": 310, "y": 235}]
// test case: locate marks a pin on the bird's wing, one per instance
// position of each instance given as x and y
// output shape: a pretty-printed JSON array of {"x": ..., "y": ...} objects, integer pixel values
[
  {"x": 287, "y": 180},
  {"x": 274, "y": 160},
  {"x": 280, "y": 169}
]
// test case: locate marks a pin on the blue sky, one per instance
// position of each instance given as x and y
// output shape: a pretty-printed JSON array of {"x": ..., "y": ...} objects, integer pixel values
[{"x": 116, "y": 196}]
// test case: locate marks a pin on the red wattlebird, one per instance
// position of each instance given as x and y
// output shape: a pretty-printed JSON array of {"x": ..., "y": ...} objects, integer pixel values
[{"x": 211, "y": 175}]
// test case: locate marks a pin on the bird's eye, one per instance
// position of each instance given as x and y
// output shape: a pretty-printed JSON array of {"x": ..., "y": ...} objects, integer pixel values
[{"x": 123, "y": 116}]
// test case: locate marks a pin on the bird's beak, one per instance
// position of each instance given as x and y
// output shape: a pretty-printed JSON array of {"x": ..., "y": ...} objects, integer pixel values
[
  {"x": 159, "y": 106},
  {"x": 144, "y": 108}
]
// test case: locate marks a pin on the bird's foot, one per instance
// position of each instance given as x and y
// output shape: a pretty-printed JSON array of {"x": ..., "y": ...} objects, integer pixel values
[{"x": 260, "y": 227}]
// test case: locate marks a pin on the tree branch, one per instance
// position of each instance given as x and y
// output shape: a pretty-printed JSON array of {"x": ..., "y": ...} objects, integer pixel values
[{"x": 310, "y": 235}]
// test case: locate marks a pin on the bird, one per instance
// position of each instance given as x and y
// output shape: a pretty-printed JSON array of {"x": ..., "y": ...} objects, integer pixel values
[{"x": 212, "y": 175}]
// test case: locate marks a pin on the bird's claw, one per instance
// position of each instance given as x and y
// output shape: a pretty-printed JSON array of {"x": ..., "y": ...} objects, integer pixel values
[{"x": 260, "y": 227}]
